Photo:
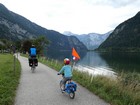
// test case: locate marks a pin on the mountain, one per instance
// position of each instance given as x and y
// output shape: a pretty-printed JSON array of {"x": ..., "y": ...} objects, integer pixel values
[
  {"x": 17, "y": 28},
  {"x": 68, "y": 33},
  {"x": 91, "y": 40},
  {"x": 125, "y": 37}
]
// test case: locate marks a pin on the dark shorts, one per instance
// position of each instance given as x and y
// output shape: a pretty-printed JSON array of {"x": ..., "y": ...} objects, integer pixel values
[
  {"x": 33, "y": 56},
  {"x": 65, "y": 79}
]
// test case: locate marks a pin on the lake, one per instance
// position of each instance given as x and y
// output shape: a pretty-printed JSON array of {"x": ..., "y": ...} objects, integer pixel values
[{"x": 103, "y": 63}]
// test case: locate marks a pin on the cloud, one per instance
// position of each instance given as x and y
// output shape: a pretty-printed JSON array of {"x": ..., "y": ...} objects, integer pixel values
[
  {"x": 114, "y": 3},
  {"x": 77, "y": 16}
]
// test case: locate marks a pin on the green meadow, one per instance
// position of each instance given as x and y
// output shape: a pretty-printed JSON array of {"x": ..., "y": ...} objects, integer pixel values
[{"x": 9, "y": 78}]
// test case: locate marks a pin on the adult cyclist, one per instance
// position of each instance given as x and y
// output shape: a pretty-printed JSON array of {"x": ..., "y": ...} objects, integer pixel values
[{"x": 32, "y": 56}]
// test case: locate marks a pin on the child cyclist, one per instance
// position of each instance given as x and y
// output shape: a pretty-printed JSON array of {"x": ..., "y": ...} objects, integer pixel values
[{"x": 66, "y": 70}]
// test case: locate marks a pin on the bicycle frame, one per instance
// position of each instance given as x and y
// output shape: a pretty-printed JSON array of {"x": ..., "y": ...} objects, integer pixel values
[{"x": 70, "y": 87}]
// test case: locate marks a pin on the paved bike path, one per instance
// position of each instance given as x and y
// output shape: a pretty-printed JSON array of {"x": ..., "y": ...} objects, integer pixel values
[{"x": 42, "y": 88}]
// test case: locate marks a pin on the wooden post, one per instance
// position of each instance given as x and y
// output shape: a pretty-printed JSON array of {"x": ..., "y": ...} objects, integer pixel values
[{"x": 14, "y": 64}]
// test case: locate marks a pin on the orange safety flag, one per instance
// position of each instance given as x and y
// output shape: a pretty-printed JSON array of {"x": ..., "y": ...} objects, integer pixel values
[{"x": 75, "y": 54}]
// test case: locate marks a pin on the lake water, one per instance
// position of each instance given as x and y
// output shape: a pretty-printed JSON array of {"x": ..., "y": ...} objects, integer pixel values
[{"x": 104, "y": 63}]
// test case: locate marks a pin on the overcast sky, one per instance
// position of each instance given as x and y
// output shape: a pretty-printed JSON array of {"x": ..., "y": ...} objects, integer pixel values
[{"x": 76, "y": 16}]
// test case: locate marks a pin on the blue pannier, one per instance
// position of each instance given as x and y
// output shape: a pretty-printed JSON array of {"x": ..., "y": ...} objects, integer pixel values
[{"x": 71, "y": 85}]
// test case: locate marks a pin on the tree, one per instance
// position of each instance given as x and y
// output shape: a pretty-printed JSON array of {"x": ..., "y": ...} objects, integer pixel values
[
  {"x": 40, "y": 43},
  {"x": 5, "y": 45},
  {"x": 18, "y": 45},
  {"x": 26, "y": 46}
]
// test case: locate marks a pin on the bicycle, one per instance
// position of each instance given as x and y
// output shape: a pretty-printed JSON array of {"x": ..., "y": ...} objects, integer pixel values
[
  {"x": 33, "y": 67},
  {"x": 33, "y": 63},
  {"x": 69, "y": 88}
]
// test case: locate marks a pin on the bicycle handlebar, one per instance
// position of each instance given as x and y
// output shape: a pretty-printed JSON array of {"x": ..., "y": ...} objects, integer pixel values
[{"x": 60, "y": 74}]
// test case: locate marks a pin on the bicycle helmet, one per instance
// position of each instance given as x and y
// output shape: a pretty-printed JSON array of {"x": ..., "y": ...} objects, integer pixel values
[
  {"x": 33, "y": 45},
  {"x": 66, "y": 61}
]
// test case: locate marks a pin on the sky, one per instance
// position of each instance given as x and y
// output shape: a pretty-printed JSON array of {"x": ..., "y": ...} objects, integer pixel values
[{"x": 76, "y": 16}]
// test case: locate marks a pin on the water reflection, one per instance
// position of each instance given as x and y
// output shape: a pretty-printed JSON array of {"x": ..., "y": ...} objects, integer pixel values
[
  {"x": 126, "y": 62},
  {"x": 60, "y": 55},
  {"x": 93, "y": 63},
  {"x": 117, "y": 62},
  {"x": 93, "y": 59}
]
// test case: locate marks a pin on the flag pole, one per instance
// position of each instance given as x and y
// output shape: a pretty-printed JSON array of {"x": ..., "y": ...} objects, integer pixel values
[
  {"x": 75, "y": 57},
  {"x": 73, "y": 64}
]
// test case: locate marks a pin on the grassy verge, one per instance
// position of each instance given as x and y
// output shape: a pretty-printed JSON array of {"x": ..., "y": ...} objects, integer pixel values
[
  {"x": 125, "y": 90},
  {"x": 8, "y": 79}
]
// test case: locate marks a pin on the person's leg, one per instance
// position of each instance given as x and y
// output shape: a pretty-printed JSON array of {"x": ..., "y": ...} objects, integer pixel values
[
  {"x": 65, "y": 80},
  {"x": 30, "y": 60}
]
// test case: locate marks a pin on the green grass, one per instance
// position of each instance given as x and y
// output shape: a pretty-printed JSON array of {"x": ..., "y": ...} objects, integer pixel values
[
  {"x": 125, "y": 90},
  {"x": 9, "y": 79}
]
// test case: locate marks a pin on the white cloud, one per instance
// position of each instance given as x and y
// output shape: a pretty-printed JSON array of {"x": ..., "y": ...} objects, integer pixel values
[{"x": 77, "y": 16}]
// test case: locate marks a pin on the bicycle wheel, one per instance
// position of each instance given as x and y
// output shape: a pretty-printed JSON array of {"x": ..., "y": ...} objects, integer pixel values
[
  {"x": 33, "y": 68},
  {"x": 72, "y": 95}
]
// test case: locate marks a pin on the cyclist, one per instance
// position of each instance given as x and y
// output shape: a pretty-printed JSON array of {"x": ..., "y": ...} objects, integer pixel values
[
  {"x": 32, "y": 55},
  {"x": 32, "y": 51},
  {"x": 66, "y": 70}
]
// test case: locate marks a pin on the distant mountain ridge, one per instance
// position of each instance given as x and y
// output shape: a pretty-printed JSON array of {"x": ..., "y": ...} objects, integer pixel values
[
  {"x": 15, "y": 27},
  {"x": 91, "y": 40},
  {"x": 125, "y": 37}
]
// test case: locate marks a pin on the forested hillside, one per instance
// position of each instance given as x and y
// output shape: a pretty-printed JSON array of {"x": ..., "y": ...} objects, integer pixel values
[{"x": 126, "y": 36}]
